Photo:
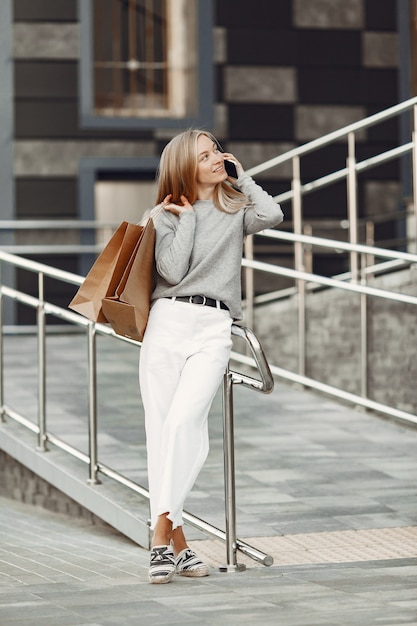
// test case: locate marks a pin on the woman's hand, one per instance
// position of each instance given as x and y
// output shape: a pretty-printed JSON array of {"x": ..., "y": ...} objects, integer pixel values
[
  {"x": 230, "y": 157},
  {"x": 177, "y": 209}
]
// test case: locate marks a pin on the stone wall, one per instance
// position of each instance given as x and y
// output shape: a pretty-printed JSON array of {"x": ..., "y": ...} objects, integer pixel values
[
  {"x": 333, "y": 340},
  {"x": 19, "y": 483}
]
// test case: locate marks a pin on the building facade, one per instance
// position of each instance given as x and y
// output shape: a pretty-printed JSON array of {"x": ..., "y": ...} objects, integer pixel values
[{"x": 92, "y": 91}]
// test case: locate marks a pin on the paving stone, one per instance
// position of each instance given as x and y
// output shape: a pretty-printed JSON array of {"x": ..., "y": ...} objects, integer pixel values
[{"x": 330, "y": 492}]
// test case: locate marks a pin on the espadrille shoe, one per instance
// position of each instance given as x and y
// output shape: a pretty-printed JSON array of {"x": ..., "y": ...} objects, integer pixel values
[
  {"x": 163, "y": 566},
  {"x": 188, "y": 564}
]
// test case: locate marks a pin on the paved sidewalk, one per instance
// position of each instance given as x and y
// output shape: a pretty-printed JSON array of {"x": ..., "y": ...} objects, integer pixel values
[
  {"x": 328, "y": 491},
  {"x": 56, "y": 571}
]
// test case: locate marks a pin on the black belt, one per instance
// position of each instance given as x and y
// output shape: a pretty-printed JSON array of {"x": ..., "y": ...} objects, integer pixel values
[{"x": 203, "y": 301}]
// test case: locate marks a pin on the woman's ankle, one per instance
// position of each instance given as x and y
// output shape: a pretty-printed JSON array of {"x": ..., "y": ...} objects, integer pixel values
[
  {"x": 179, "y": 541},
  {"x": 162, "y": 532},
  {"x": 160, "y": 540}
]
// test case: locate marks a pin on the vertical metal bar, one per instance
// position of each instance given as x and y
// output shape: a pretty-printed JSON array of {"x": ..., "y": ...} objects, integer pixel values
[
  {"x": 132, "y": 44},
  {"x": 2, "y": 418},
  {"x": 412, "y": 9},
  {"x": 308, "y": 249},
  {"x": 414, "y": 161},
  {"x": 164, "y": 52},
  {"x": 299, "y": 264},
  {"x": 249, "y": 283},
  {"x": 98, "y": 56},
  {"x": 229, "y": 476},
  {"x": 116, "y": 47},
  {"x": 352, "y": 206},
  {"x": 364, "y": 331},
  {"x": 92, "y": 404},
  {"x": 370, "y": 241},
  {"x": 149, "y": 46},
  {"x": 367, "y": 260},
  {"x": 41, "y": 365}
]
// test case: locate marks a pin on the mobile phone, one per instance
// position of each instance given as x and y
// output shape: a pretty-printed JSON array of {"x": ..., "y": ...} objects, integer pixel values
[{"x": 230, "y": 167}]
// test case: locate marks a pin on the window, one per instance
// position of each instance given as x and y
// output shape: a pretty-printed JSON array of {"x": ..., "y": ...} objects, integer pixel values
[
  {"x": 146, "y": 62},
  {"x": 113, "y": 189}
]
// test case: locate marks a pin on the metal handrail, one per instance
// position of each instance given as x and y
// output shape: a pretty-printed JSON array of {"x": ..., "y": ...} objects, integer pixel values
[
  {"x": 359, "y": 288},
  {"x": 40, "y": 268},
  {"x": 336, "y": 244},
  {"x": 330, "y": 282},
  {"x": 51, "y": 249},
  {"x": 371, "y": 270},
  {"x": 303, "y": 280},
  {"x": 333, "y": 136},
  {"x": 334, "y": 177},
  {"x": 57, "y": 223},
  {"x": 265, "y": 385},
  {"x": 361, "y": 257}
]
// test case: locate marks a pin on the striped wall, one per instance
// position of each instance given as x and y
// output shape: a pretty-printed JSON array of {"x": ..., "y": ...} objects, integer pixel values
[{"x": 285, "y": 72}]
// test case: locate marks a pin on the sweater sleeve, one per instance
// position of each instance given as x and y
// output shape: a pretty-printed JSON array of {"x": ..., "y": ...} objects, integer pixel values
[
  {"x": 263, "y": 211},
  {"x": 173, "y": 245}
]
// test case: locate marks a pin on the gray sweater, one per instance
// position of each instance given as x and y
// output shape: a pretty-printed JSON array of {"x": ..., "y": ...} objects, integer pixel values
[{"x": 200, "y": 252}]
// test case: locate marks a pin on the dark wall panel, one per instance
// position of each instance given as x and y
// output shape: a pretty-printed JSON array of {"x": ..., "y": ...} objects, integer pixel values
[
  {"x": 324, "y": 161},
  {"x": 263, "y": 13},
  {"x": 59, "y": 119},
  {"x": 348, "y": 86},
  {"x": 261, "y": 121},
  {"x": 256, "y": 46},
  {"x": 56, "y": 292},
  {"x": 46, "y": 79},
  {"x": 386, "y": 132},
  {"x": 381, "y": 14},
  {"x": 329, "y": 48},
  {"x": 45, "y": 198},
  {"x": 380, "y": 87},
  {"x": 45, "y": 10},
  {"x": 47, "y": 119},
  {"x": 327, "y": 64},
  {"x": 329, "y": 201}
]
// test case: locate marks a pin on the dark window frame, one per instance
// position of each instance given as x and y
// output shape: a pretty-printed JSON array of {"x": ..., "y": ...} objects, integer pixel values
[
  {"x": 89, "y": 172},
  {"x": 205, "y": 94}
]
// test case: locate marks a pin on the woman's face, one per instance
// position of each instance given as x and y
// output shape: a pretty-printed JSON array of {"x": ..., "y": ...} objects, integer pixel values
[{"x": 210, "y": 163}]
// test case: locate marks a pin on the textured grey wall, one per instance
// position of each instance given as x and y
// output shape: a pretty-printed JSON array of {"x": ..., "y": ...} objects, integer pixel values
[
  {"x": 19, "y": 483},
  {"x": 333, "y": 340}
]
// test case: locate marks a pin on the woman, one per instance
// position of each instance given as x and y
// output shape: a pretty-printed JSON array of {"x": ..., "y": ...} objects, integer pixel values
[{"x": 201, "y": 223}]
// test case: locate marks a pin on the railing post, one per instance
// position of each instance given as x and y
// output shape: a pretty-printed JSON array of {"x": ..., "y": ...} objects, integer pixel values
[
  {"x": 367, "y": 260},
  {"x": 299, "y": 264},
  {"x": 249, "y": 283},
  {"x": 2, "y": 418},
  {"x": 308, "y": 249},
  {"x": 92, "y": 404},
  {"x": 41, "y": 365},
  {"x": 364, "y": 332},
  {"x": 352, "y": 206},
  {"x": 229, "y": 476},
  {"x": 414, "y": 165}
]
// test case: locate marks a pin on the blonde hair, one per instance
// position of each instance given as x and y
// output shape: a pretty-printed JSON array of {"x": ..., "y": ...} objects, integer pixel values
[{"x": 177, "y": 174}]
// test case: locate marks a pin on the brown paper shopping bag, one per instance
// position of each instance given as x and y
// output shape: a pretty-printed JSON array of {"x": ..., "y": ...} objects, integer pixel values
[
  {"x": 128, "y": 310},
  {"x": 106, "y": 273}
]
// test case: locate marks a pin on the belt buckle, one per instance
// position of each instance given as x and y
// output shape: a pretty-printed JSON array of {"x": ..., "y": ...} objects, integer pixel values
[{"x": 204, "y": 300}]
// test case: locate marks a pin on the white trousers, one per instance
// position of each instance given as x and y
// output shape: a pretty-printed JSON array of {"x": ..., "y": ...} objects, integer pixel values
[{"x": 184, "y": 354}]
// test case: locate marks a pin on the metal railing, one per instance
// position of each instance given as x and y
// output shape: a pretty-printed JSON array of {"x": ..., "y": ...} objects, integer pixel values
[
  {"x": 360, "y": 288},
  {"x": 294, "y": 194},
  {"x": 365, "y": 262},
  {"x": 44, "y": 436},
  {"x": 102, "y": 229},
  {"x": 362, "y": 263}
]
